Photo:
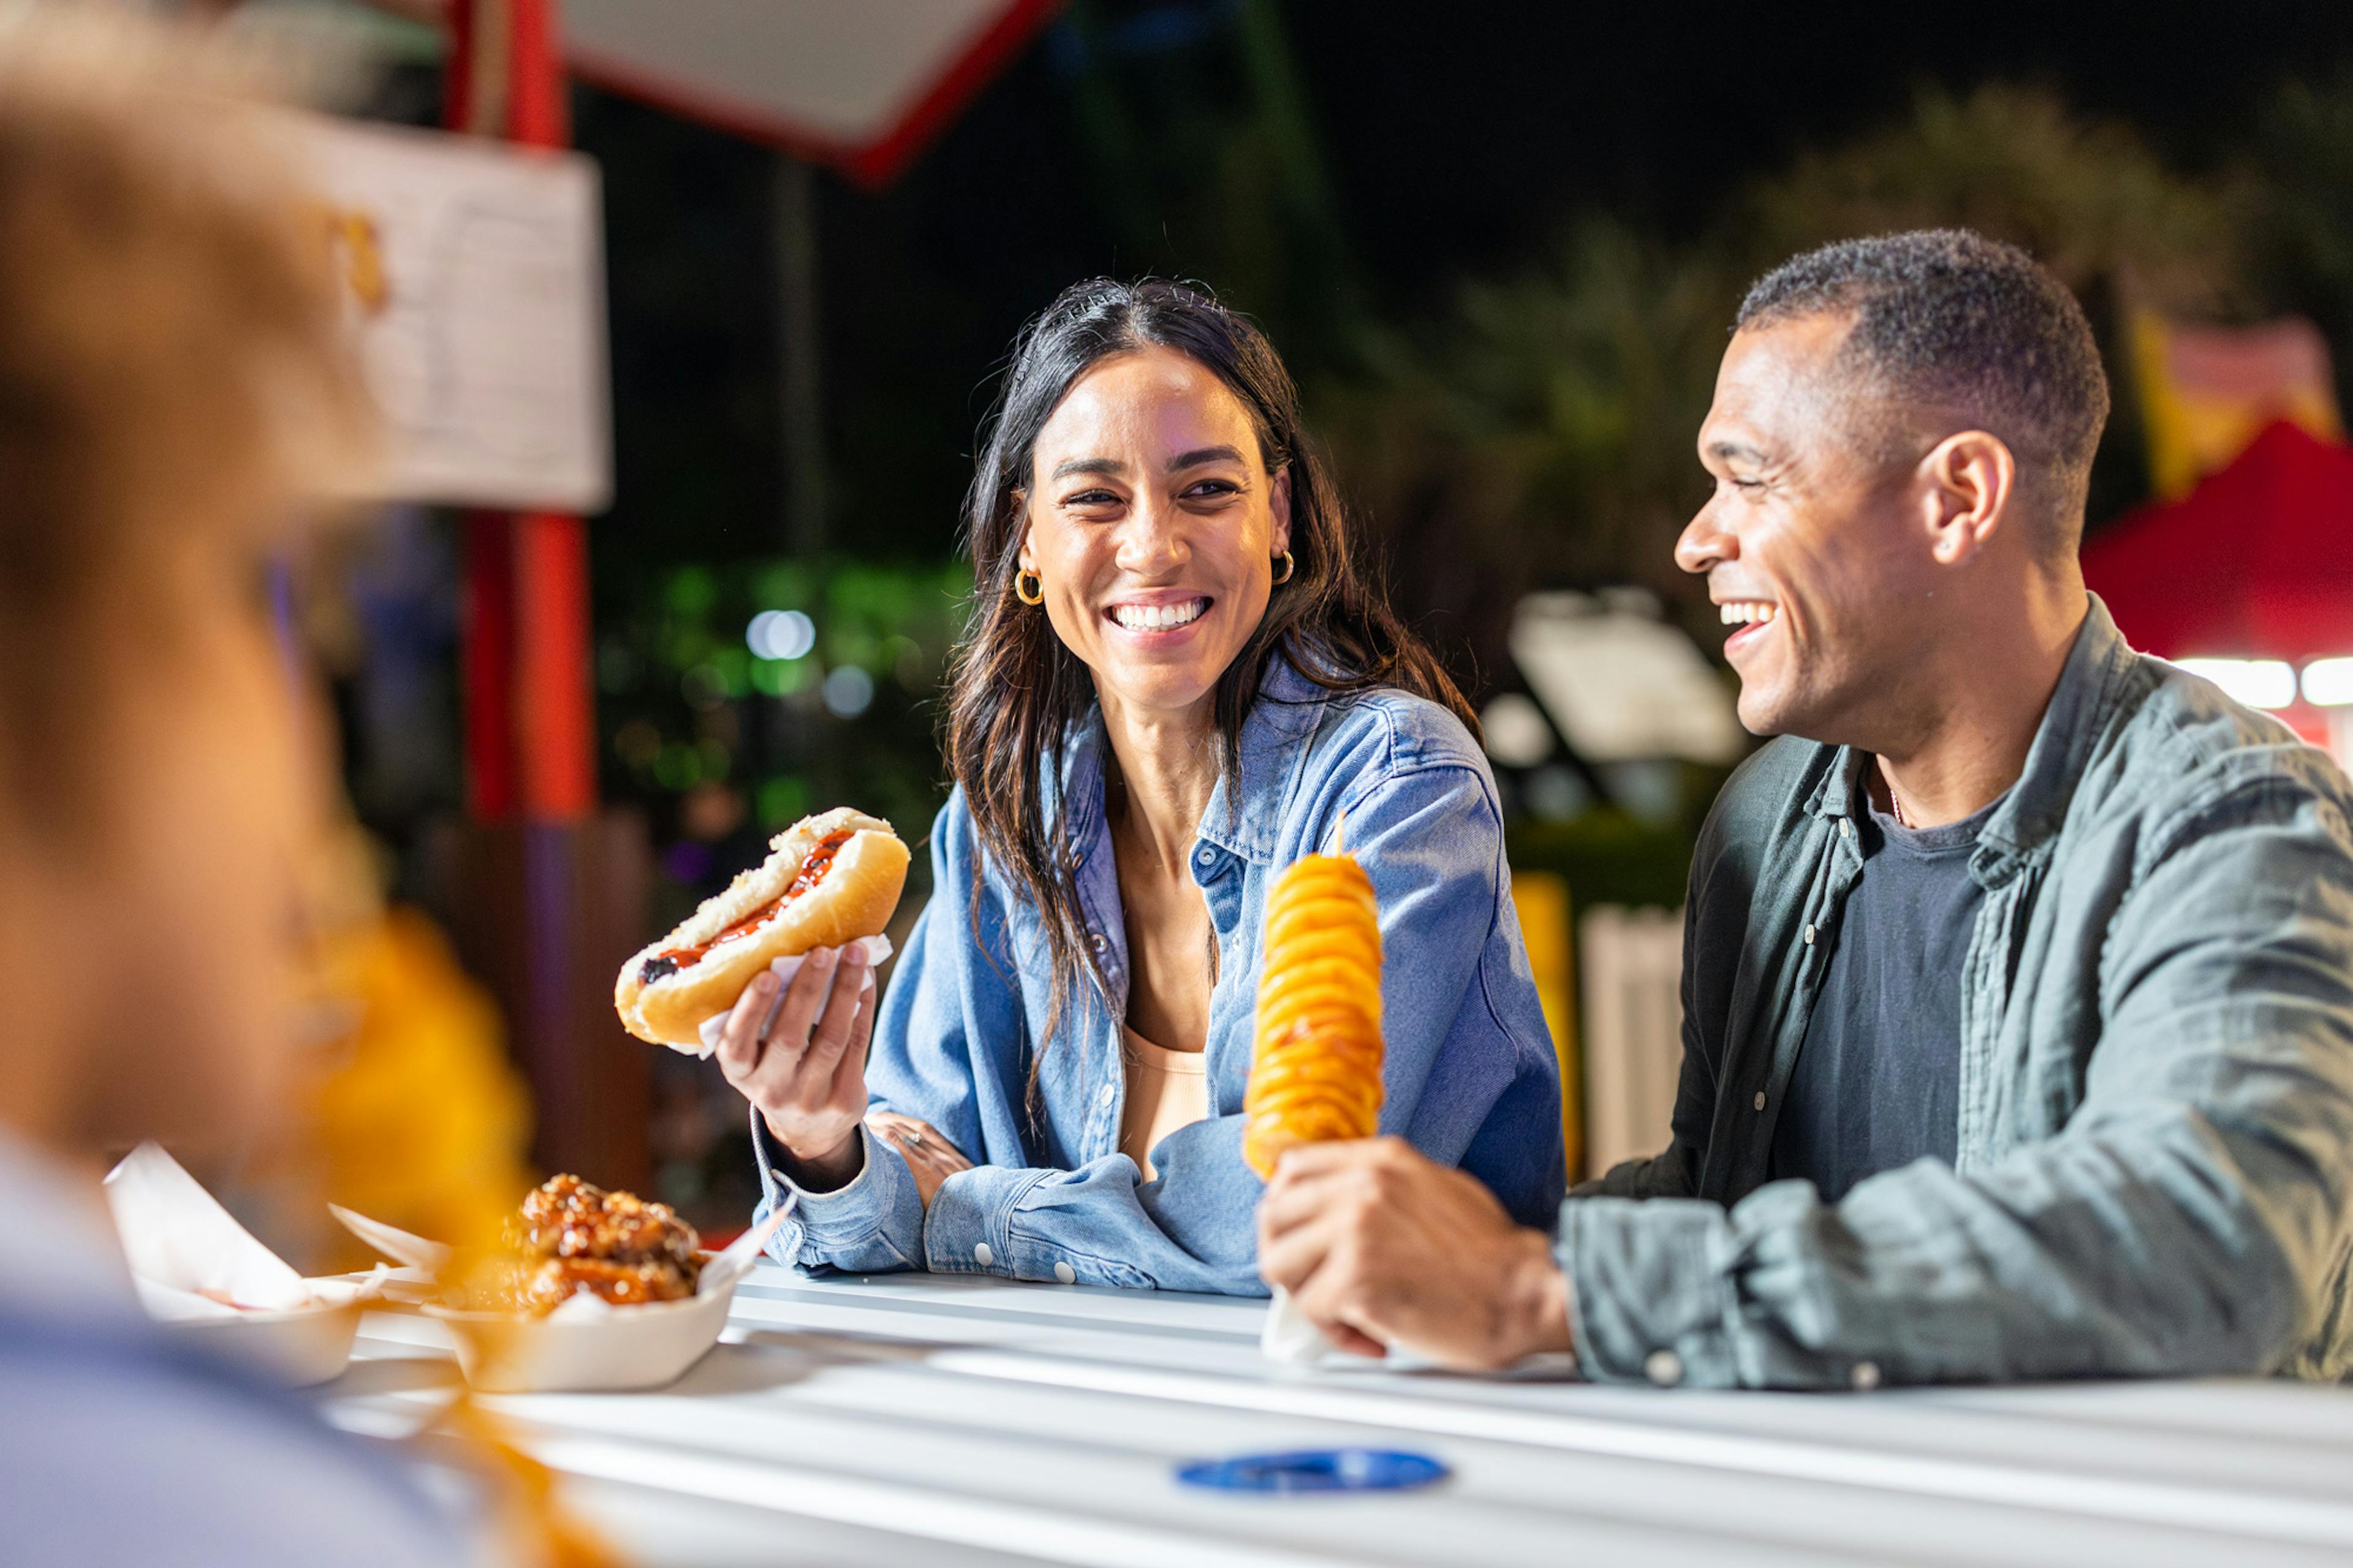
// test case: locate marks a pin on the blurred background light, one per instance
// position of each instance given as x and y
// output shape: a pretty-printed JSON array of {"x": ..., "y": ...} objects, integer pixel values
[
  {"x": 849, "y": 692},
  {"x": 1517, "y": 734},
  {"x": 1623, "y": 684},
  {"x": 2328, "y": 683},
  {"x": 2257, "y": 682},
  {"x": 780, "y": 634},
  {"x": 705, "y": 686},
  {"x": 1555, "y": 794},
  {"x": 638, "y": 743},
  {"x": 778, "y": 678}
]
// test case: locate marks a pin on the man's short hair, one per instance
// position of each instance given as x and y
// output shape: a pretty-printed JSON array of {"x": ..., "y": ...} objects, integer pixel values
[{"x": 1950, "y": 322}]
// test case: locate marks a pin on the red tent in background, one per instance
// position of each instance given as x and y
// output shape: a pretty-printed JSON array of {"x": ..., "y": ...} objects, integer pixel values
[{"x": 2257, "y": 563}]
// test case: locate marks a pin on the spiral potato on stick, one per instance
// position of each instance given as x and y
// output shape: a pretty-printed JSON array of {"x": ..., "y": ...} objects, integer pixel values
[{"x": 1315, "y": 1068}]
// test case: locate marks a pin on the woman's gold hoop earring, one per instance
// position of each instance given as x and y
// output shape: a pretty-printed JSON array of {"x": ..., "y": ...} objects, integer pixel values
[
  {"x": 1289, "y": 566},
  {"x": 1033, "y": 594}
]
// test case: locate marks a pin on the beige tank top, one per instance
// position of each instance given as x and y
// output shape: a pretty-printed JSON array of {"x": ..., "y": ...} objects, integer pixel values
[{"x": 1165, "y": 1090}]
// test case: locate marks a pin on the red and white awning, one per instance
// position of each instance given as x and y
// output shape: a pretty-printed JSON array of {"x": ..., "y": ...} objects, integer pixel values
[
  {"x": 858, "y": 84},
  {"x": 861, "y": 84}
]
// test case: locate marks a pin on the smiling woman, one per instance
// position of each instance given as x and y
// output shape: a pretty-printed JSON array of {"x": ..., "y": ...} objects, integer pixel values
[
  {"x": 1176, "y": 683},
  {"x": 1149, "y": 479}
]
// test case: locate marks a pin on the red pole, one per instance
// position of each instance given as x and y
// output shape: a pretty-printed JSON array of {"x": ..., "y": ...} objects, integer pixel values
[
  {"x": 557, "y": 896},
  {"x": 556, "y": 733},
  {"x": 531, "y": 744}
]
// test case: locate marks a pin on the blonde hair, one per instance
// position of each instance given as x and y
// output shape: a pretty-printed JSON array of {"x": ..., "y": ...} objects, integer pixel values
[{"x": 175, "y": 371}]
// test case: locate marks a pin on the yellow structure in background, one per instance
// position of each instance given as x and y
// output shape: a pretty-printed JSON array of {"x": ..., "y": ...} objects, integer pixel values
[
  {"x": 1542, "y": 900},
  {"x": 420, "y": 1120},
  {"x": 2207, "y": 392},
  {"x": 422, "y": 1124}
]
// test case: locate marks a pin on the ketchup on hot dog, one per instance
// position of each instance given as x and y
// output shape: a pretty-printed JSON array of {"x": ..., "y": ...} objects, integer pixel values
[{"x": 812, "y": 872}]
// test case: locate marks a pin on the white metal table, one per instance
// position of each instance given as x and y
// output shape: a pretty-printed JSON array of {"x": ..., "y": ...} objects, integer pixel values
[{"x": 927, "y": 1418}]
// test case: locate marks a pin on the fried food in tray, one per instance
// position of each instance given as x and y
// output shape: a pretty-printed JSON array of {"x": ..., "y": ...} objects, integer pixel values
[
  {"x": 566, "y": 1218},
  {"x": 572, "y": 1238},
  {"x": 1315, "y": 1068}
]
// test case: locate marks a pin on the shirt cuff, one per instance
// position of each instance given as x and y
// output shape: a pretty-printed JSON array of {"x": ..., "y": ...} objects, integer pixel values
[
  {"x": 850, "y": 1215},
  {"x": 969, "y": 1228},
  {"x": 1648, "y": 1300}
]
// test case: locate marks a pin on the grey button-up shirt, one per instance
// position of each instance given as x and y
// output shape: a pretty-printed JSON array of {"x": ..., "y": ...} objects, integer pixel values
[{"x": 2155, "y": 1139}]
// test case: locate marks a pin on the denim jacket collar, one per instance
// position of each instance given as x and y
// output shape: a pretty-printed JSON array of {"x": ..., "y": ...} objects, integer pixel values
[
  {"x": 2021, "y": 827},
  {"x": 1243, "y": 820}
]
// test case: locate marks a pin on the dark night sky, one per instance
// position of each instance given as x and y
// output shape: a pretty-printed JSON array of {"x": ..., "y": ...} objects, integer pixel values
[{"x": 1456, "y": 142}]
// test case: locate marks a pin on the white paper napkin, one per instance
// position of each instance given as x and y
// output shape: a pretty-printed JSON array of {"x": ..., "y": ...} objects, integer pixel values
[
  {"x": 428, "y": 1257},
  {"x": 1290, "y": 1336},
  {"x": 166, "y": 1305},
  {"x": 876, "y": 948},
  {"x": 726, "y": 1268},
  {"x": 178, "y": 1239}
]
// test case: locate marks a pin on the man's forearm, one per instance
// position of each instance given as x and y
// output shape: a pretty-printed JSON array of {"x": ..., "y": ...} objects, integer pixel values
[{"x": 2069, "y": 1264}]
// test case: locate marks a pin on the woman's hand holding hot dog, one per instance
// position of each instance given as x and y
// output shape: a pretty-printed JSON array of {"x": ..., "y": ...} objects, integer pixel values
[{"x": 807, "y": 1074}]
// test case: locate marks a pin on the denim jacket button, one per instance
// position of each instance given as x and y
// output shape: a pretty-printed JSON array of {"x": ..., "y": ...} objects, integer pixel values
[
  {"x": 1846, "y": 828},
  {"x": 1810, "y": 935},
  {"x": 1664, "y": 1368},
  {"x": 983, "y": 1255},
  {"x": 1760, "y": 1099},
  {"x": 1100, "y": 942},
  {"x": 1206, "y": 856},
  {"x": 1066, "y": 1274},
  {"x": 1108, "y": 1094},
  {"x": 1865, "y": 1376}
]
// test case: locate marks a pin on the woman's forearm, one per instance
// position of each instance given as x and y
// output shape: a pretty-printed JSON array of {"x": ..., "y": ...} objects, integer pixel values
[
  {"x": 873, "y": 1222},
  {"x": 824, "y": 1171}
]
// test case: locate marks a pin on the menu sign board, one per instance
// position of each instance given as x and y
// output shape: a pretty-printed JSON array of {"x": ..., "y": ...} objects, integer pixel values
[{"x": 474, "y": 273}]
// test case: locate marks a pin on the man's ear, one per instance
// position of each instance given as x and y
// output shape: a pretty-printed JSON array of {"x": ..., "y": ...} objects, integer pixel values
[
  {"x": 1277, "y": 496},
  {"x": 1970, "y": 485}
]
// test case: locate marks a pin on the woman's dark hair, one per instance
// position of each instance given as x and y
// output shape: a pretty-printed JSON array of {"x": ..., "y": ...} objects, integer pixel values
[{"x": 1015, "y": 691}]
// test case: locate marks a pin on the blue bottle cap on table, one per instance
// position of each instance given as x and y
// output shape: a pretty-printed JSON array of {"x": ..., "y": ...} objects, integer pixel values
[{"x": 1315, "y": 1470}]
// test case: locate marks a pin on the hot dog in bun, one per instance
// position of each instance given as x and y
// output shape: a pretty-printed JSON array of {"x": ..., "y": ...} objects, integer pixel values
[{"x": 828, "y": 879}]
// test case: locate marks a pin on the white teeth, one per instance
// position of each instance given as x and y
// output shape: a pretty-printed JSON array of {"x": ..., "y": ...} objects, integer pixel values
[
  {"x": 1159, "y": 617},
  {"x": 1740, "y": 612}
]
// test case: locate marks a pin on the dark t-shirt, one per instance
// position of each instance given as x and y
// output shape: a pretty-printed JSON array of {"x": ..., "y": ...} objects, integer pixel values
[{"x": 1877, "y": 1083}]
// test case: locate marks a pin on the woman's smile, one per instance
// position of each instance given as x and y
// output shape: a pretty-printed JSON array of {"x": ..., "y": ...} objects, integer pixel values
[{"x": 1159, "y": 618}]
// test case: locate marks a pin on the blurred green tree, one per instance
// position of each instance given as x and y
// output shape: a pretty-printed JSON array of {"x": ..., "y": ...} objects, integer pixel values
[
  {"x": 2292, "y": 207},
  {"x": 1541, "y": 430}
]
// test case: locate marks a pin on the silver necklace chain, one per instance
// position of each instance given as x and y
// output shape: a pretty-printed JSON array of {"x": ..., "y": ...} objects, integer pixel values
[{"x": 1893, "y": 799}]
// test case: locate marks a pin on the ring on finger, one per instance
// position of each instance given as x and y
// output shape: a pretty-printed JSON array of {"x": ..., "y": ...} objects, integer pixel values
[{"x": 909, "y": 1135}]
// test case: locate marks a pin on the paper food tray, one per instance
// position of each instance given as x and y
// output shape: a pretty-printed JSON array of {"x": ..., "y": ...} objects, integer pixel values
[
  {"x": 190, "y": 1261},
  {"x": 297, "y": 1346},
  {"x": 585, "y": 1345},
  {"x": 618, "y": 1349}
]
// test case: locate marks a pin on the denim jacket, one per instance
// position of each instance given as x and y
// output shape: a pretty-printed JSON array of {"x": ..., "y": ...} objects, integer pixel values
[
  {"x": 1469, "y": 1072},
  {"x": 2155, "y": 1139}
]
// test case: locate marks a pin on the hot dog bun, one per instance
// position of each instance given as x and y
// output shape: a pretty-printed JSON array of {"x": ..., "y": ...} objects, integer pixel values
[{"x": 698, "y": 971}]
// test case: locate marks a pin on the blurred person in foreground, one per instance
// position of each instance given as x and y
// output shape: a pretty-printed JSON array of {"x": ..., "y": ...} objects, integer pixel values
[
  {"x": 1177, "y": 681},
  {"x": 2017, "y": 991},
  {"x": 173, "y": 378}
]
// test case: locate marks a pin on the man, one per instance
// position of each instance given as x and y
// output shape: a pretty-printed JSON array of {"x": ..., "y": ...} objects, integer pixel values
[{"x": 2018, "y": 992}]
